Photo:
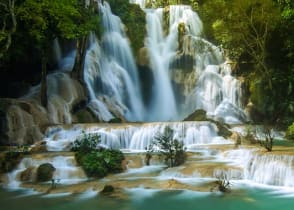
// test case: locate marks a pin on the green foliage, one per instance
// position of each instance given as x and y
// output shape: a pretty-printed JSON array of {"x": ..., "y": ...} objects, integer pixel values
[
  {"x": 86, "y": 143},
  {"x": 67, "y": 19},
  {"x": 172, "y": 149},
  {"x": 96, "y": 162},
  {"x": 99, "y": 163},
  {"x": 257, "y": 35},
  {"x": 290, "y": 132}
]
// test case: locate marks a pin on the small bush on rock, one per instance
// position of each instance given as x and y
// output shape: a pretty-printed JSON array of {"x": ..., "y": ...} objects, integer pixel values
[
  {"x": 97, "y": 162},
  {"x": 172, "y": 149}
]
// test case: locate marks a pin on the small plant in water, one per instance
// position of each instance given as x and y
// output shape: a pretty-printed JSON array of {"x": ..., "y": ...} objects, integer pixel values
[
  {"x": 96, "y": 161},
  {"x": 172, "y": 149},
  {"x": 268, "y": 138},
  {"x": 222, "y": 184}
]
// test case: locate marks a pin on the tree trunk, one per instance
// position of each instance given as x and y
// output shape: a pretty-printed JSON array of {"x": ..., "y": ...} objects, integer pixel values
[
  {"x": 78, "y": 69},
  {"x": 44, "y": 100}
]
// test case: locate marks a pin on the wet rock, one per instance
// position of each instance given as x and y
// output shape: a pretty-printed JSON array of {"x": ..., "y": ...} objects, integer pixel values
[
  {"x": 28, "y": 174},
  {"x": 21, "y": 122},
  {"x": 45, "y": 172},
  {"x": 198, "y": 115},
  {"x": 143, "y": 57},
  {"x": 107, "y": 189},
  {"x": 39, "y": 147}
]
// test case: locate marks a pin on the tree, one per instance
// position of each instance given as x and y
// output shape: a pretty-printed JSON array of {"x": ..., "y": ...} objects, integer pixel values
[
  {"x": 268, "y": 137},
  {"x": 172, "y": 149},
  {"x": 46, "y": 20},
  {"x": 256, "y": 35},
  {"x": 8, "y": 24}
]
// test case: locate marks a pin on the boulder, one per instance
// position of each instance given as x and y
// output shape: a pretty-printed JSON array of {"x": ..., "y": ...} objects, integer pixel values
[
  {"x": 45, "y": 172},
  {"x": 107, "y": 189},
  {"x": 39, "y": 147},
  {"x": 27, "y": 175},
  {"x": 198, "y": 115},
  {"x": 143, "y": 57}
]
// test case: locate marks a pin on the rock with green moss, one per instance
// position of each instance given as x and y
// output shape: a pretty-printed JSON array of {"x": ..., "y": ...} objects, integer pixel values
[
  {"x": 198, "y": 115},
  {"x": 181, "y": 33},
  {"x": 223, "y": 129},
  {"x": 45, "y": 172},
  {"x": 107, "y": 189},
  {"x": 115, "y": 120}
]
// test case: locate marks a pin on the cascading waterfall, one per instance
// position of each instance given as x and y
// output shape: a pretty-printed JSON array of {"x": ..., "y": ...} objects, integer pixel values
[
  {"x": 207, "y": 85},
  {"x": 136, "y": 136},
  {"x": 267, "y": 169},
  {"x": 161, "y": 50},
  {"x": 111, "y": 74},
  {"x": 66, "y": 170}
]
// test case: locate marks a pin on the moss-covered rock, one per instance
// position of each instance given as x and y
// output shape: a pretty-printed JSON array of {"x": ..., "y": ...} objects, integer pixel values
[
  {"x": 198, "y": 115},
  {"x": 143, "y": 57},
  {"x": 45, "y": 172},
  {"x": 84, "y": 116},
  {"x": 181, "y": 33},
  {"x": 107, "y": 189},
  {"x": 223, "y": 129},
  {"x": 115, "y": 120}
]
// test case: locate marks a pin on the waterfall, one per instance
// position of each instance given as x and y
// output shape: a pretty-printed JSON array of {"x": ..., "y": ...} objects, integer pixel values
[
  {"x": 189, "y": 75},
  {"x": 161, "y": 51},
  {"x": 136, "y": 136},
  {"x": 57, "y": 53},
  {"x": 269, "y": 169},
  {"x": 111, "y": 74},
  {"x": 67, "y": 171}
]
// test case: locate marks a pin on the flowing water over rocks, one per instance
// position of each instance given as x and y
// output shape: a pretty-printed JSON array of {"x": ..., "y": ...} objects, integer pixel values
[{"x": 189, "y": 74}]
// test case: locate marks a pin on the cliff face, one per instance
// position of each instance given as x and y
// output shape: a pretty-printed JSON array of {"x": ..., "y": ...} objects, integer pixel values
[{"x": 23, "y": 121}]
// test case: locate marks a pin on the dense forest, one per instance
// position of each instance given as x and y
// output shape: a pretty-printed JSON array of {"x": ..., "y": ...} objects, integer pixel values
[{"x": 257, "y": 36}]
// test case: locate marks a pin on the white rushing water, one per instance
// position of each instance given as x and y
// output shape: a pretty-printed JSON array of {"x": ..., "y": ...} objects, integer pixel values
[
  {"x": 161, "y": 50},
  {"x": 207, "y": 85},
  {"x": 136, "y": 136},
  {"x": 111, "y": 74},
  {"x": 269, "y": 169},
  {"x": 67, "y": 171}
]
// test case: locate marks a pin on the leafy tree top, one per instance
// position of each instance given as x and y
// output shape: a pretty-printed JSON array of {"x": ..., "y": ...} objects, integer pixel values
[{"x": 48, "y": 19}]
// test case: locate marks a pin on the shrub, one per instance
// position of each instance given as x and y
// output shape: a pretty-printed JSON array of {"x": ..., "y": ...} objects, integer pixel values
[
  {"x": 171, "y": 149},
  {"x": 86, "y": 143},
  {"x": 290, "y": 132},
  {"x": 97, "y": 162}
]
